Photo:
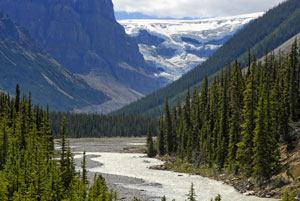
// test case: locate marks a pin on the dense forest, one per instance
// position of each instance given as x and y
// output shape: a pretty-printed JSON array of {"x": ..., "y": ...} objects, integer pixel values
[
  {"x": 237, "y": 123},
  {"x": 30, "y": 168},
  {"x": 279, "y": 24},
  {"x": 97, "y": 125}
]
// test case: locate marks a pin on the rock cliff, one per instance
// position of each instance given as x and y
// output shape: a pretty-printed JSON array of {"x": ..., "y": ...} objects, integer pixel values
[
  {"x": 85, "y": 38},
  {"x": 25, "y": 62}
]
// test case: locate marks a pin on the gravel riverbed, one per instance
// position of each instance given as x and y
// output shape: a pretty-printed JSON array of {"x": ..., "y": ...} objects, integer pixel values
[{"x": 116, "y": 145}]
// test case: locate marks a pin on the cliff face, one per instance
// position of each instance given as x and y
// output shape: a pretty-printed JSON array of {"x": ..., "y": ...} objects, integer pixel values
[
  {"x": 25, "y": 62},
  {"x": 84, "y": 37}
]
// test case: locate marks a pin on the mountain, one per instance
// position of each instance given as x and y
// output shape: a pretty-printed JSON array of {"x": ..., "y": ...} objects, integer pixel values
[
  {"x": 84, "y": 37},
  {"x": 24, "y": 61},
  {"x": 175, "y": 47},
  {"x": 267, "y": 32}
]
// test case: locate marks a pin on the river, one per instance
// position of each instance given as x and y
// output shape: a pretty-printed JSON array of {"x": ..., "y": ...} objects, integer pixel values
[{"x": 157, "y": 183}]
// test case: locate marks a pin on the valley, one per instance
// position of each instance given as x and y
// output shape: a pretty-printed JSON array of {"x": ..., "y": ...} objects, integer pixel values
[{"x": 104, "y": 100}]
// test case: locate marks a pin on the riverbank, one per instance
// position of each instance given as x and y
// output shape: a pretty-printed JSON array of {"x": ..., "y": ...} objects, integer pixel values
[
  {"x": 126, "y": 169},
  {"x": 117, "y": 145},
  {"x": 288, "y": 178}
]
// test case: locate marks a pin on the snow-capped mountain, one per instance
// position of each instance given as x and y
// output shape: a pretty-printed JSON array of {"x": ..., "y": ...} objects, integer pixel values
[{"x": 174, "y": 47}]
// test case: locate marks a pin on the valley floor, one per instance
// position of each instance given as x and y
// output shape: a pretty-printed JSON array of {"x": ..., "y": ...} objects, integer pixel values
[{"x": 115, "y": 145}]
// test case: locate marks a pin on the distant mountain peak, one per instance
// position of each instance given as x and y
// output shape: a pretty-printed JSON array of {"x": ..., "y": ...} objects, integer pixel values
[{"x": 177, "y": 46}]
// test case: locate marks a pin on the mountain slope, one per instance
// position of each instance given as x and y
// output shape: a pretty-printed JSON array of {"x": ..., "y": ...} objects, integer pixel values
[
  {"x": 175, "y": 47},
  {"x": 269, "y": 31},
  {"x": 85, "y": 38},
  {"x": 23, "y": 61}
]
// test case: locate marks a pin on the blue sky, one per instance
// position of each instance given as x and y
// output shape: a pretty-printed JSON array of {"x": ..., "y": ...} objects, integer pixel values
[{"x": 194, "y": 8}]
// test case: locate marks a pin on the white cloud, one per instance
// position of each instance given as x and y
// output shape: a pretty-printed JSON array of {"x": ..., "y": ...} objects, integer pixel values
[{"x": 194, "y": 8}]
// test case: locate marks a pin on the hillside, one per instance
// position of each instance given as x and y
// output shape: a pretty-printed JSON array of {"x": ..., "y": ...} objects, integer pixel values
[
  {"x": 86, "y": 39},
  {"x": 175, "y": 47},
  {"x": 24, "y": 61},
  {"x": 279, "y": 24}
]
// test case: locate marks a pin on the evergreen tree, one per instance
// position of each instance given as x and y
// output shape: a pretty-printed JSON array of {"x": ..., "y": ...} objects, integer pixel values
[
  {"x": 245, "y": 147},
  {"x": 168, "y": 129},
  {"x": 236, "y": 105},
  {"x": 222, "y": 142},
  {"x": 264, "y": 147},
  {"x": 150, "y": 146},
  {"x": 84, "y": 171},
  {"x": 161, "y": 139},
  {"x": 192, "y": 195}
]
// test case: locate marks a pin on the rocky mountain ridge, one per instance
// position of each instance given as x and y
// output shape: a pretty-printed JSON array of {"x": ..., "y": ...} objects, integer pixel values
[
  {"x": 85, "y": 38},
  {"x": 175, "y": 47},
  {"x": 25, "y": 62}
]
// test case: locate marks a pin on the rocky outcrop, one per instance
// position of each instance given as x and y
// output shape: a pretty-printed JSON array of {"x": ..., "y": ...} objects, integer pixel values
[
  {"x": 85, "y": 38},
  {"x": 25, "y": 62}
]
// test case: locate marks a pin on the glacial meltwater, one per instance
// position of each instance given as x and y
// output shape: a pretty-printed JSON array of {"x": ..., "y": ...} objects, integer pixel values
[{"x": 159, "y": 183}]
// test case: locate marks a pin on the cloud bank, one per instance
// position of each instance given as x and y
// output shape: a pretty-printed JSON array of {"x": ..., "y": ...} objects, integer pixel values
[{"x": 194, "y": 8}]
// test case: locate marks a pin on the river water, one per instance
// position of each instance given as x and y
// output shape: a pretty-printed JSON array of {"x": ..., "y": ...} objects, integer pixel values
[{"x": 158, "y": 182}]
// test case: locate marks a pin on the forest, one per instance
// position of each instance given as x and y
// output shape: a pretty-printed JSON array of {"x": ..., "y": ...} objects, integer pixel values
[
  {"x": 237, "y": 123},
  {"x": 215, "y": 125},
  {"x": 30, "y": 167},
  {"x": 98, "y": 125}
]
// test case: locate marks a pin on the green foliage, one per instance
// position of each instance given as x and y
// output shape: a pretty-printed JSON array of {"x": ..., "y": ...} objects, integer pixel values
[
  {"x": 287, "y": 196},
  {"x": 192, "y": 195},
  {"x": 28, "y": 170},
  {"x": 97, "y": 125},
  {"x": 161, "y": 138},
  {"x": 279, "y": 24},
  {"x": 234, "y": 125},
  {"x": 218, "y": 198},
  {"x": 150, "y": 145}
]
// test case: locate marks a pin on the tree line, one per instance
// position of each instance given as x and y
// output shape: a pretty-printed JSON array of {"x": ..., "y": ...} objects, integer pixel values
[
  {"x": 238, "y": 121},
  {"x": 98, "y": 125}
]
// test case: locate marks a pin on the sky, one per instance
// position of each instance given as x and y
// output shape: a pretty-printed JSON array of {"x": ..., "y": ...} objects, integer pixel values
[{"x": 194, "y": 8}]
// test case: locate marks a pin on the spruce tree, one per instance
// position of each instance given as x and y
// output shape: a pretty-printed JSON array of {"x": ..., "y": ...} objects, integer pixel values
[
  {"x": 161, "y": 139},
  {"x": 245, "y": 147},
  {"x": 264, "y": 146},
  {"x": 150, "y": 146},
  {"x": 236, "y": 105},
  {"x": 222, "y": 142},
  {"x": 168, "y": 129},
  {"x": 192, "y": 195}
]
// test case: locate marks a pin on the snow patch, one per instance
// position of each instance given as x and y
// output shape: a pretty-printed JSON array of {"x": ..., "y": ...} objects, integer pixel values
[{"x": 193, "y": 40}]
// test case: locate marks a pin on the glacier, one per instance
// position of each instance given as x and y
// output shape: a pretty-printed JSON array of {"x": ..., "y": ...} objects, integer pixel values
[{"x": 175, "y": 47}]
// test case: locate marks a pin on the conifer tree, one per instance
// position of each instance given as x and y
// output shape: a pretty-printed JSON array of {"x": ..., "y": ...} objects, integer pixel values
[
  {"x": 264, "y": 158},
  {"x": 222, "y": 144},
  {"x": 192, "y": 195},
  {"x": 84, "y": 171},
  {"x": 17, "y": 98},
  {"x": 168, "y": 129},
  {"x": 245, "y": 147},
  {"x": 236, "y": 105},
  {"x": 161, "y": 139},
  {"x": 150, "y": 146}
]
